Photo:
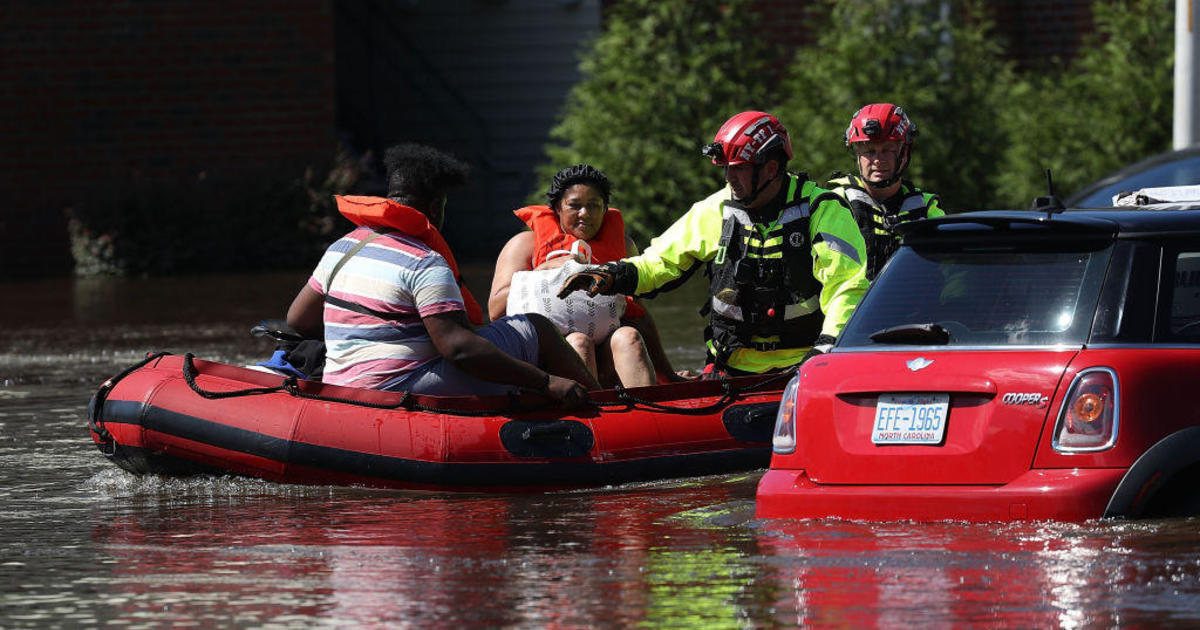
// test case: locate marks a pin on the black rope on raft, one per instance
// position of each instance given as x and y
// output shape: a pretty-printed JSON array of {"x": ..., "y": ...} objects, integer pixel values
[
  {"x": 406, "y": 402},
  {"x": 785, "y": 375},
  {"x": 189, "y": 377},
  {"x": 95, "y": 422},
  {"x": 291, "y": 386},
  {"x": 730, "y": 394}
]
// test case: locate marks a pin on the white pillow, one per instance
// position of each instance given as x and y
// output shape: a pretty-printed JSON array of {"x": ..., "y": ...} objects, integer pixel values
[{"x": 537, "y": 292}]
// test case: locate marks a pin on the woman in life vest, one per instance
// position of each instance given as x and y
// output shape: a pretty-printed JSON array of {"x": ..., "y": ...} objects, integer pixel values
[{"x": 578, "y": 224}]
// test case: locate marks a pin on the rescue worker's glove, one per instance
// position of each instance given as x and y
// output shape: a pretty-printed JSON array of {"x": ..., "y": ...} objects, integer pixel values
[
  {"x": 820, "y": 346},
  {"x": 607, "y": 279}
]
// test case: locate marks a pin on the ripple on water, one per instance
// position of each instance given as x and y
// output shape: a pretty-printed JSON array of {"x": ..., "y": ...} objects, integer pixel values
[{"x": 114, "y": 483}]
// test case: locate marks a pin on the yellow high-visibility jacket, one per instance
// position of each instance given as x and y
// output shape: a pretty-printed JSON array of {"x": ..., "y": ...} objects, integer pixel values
[
  {"x": 832, "y": 240},
  {"x": 876, "y": 223}
]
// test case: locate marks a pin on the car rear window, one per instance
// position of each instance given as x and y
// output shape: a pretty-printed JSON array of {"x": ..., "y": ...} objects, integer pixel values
[
  {"x": 1184, "y": 308},
  {"x": 1001, "y": 296}
]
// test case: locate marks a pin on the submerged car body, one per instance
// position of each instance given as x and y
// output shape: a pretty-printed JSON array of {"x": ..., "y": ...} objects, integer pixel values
[{"x": 1008, "y": 366}]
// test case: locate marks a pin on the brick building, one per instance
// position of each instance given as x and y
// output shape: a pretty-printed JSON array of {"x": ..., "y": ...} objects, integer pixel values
[
  {"x": 1035, "y": 31},
  {"x": 96, "y": 92}
]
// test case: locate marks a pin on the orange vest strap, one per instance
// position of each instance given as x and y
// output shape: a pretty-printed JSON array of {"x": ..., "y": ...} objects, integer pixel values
[
  {"x": 607, "y": 245},
  {"x": 378, "y": 212}
]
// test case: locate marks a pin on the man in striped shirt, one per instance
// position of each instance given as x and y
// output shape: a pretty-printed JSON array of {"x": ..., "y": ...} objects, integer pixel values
[{"x": 393, "y": 315}]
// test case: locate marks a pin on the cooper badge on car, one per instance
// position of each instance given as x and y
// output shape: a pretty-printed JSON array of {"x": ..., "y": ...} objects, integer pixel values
[{"x": 1025, "y": 398}]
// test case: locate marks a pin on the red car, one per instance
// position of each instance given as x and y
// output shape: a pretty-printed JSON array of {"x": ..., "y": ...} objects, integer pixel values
[{"x": 1008, "y": 366}]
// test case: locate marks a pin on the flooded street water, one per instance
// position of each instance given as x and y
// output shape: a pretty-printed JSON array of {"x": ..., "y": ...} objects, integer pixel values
[{"x": 86, "y": 544}]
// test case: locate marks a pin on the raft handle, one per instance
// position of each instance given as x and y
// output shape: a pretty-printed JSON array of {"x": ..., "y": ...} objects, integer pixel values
[{"x": 106, "y": 443}]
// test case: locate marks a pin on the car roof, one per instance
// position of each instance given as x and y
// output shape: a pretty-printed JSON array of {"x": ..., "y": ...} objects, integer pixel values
[
  {"x": 1145, "y": 221},
  {"x": 1130, "y": 171}
]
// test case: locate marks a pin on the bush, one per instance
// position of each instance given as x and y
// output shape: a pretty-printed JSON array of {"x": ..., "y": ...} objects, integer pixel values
[
  {"x": 941, "y": 65},
  {"x": 1111, "y": 106},
  {"x": 664, "y": 75},
  {"x": 201, "y": 224},
  {"x": 656, "y": 86}
]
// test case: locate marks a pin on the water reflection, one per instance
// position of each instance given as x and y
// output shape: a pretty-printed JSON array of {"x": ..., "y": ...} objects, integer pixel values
[
  {"x": 953, "y": 575},
  {"x": 568, "y": 560},
  {"x": 686, "y": 555}
]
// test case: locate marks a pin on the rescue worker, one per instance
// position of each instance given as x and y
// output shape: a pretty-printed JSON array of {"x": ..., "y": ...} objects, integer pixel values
[
  {"x": 784, "y": 257},
  {"x": 881, "y": 136}
]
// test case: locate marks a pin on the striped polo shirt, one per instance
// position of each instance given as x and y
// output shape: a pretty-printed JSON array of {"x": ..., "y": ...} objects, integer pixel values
[{"x": 399, "y": 278}]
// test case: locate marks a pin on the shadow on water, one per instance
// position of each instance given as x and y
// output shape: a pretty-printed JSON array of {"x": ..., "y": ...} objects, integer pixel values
[{"x": 87, "y": 544}]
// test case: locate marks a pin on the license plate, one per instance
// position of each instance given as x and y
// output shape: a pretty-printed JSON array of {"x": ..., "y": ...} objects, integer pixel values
[{"x": 910, "y": 418}]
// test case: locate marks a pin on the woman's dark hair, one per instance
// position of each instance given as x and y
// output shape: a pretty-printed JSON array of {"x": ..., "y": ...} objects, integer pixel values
[
  {"x": 578, "y": 174},
  {"x": 418, "y": 174}
]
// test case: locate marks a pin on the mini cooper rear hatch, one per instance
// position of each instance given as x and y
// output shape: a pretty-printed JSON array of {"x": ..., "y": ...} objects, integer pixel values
[{"x": 1008, "y": 366}]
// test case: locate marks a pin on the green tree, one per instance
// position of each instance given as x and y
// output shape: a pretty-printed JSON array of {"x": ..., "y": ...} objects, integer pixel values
[
  {"x": 1112, "y": 105},
  {"x": 656, "y": 85},
  {"x": 939, "y": 63},
  {"x": 665, "y": 74}
]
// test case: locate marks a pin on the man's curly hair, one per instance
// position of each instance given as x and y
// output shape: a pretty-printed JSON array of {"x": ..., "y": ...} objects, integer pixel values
[
  {"x": 578, "y": 174},
  {"x": 419, "y": 174}
]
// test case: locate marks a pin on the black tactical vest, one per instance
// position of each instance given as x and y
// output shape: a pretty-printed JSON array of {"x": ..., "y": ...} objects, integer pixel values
[
  {"x": 761, "y": 280},
  {"x": 877, "y": 223}
]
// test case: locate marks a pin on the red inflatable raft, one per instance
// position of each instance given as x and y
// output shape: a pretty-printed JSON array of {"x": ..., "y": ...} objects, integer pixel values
[{"x": 178, "y": 415}]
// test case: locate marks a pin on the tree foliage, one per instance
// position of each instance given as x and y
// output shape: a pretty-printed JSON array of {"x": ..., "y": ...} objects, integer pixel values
[
  {"x": 665, "y": 74},
  {"x": 1110, "y": 107},
  {"x": 939, "y": 64},
  {"x": 656, "y": 85}
]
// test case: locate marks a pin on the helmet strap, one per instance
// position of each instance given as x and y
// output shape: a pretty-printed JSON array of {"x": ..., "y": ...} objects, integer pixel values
[{"x": 755, "y": 189}]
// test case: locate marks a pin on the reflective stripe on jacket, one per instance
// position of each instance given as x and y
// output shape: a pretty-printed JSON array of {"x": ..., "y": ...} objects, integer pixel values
[
  {"x": 835, "y": 246},
  {"x": 876, "y": 223}
]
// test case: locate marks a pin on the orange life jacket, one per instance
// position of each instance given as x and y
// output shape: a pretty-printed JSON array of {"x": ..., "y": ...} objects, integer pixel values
[
  {"x": 607, "y": 245},
  {"x": 378, "y": 212}
]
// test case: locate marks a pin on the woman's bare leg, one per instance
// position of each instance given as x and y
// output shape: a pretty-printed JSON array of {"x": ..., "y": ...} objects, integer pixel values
[
  {"x": 558, "y": 357},
  {"x": 585, "y": 349},
  {"x": 631, "y": 358},
  {"x": 663, "y": 370}
]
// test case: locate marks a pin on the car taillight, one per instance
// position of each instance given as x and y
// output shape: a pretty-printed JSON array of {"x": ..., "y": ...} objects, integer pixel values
[
  {"x": 1088, "y": 418},
  {"x": 784, "y": 440}
]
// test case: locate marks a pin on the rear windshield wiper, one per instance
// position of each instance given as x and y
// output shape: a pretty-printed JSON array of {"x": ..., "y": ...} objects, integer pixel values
[{"x": 912, "y": 334}]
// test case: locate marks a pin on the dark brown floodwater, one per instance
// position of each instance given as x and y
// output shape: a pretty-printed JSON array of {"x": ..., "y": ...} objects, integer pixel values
[{"x": 85, "y": 544}]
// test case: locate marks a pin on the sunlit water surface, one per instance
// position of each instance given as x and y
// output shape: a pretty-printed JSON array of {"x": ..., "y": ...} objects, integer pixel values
[{"x": 86, "y": 544}]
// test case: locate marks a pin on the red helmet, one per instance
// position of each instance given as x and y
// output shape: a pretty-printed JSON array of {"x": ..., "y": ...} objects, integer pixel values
[
  {"x": 880, "y": 121},
  {"x": 747, "y": 138}
]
